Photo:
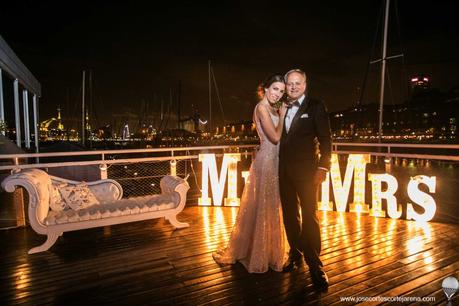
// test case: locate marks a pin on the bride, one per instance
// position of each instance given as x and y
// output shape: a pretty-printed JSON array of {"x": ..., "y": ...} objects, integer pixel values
[{"x": 258, "y": 238}]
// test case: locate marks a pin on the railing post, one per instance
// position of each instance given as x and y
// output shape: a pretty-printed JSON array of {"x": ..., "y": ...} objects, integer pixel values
[
  {"x": 2, "y": 107},
  {"x": 35, "y": 124},
  {"x": 103, "y": 169},
  {"x": 25, "y": 103},
  {"x": 173, "y": 165},
  {"x": 16, "y": 113}
]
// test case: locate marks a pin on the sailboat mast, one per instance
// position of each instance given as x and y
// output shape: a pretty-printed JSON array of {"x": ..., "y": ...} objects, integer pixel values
[
  {"x": 90, "y": 108},
  {"x": 383, "y": 71},
  {"x": 210, "y": 99},
  {"x": 179, "y": 122},
  {"x": 162, "y": 110},
  {"x": 82, "y": 109}
]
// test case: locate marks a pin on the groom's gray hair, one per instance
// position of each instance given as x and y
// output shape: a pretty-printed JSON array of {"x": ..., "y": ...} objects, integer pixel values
[{"x": 297, "y": 71}]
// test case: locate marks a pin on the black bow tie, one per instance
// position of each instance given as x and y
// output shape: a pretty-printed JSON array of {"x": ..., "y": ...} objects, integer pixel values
[{"x": 295, "y": 103}]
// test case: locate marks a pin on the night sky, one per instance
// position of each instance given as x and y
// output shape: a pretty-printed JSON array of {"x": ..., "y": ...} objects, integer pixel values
[{"x": 139, "y": 51}]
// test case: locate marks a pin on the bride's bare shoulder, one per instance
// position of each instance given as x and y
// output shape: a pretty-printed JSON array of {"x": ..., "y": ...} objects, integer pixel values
[{"x": 261, "y": 108}]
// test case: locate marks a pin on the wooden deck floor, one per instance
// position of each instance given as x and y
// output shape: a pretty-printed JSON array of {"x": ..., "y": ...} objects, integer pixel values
[{"x": 150, "y": 263}]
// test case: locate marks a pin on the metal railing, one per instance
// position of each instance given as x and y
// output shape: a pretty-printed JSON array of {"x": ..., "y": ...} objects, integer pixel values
[
  {"x": 430, "y": 151},
  {"x": 139, "y": 170},
  {"x": 12, "y": 161}
]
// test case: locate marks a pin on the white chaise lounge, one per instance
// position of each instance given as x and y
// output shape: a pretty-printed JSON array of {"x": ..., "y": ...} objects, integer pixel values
[{"x": 49, "y": 215}]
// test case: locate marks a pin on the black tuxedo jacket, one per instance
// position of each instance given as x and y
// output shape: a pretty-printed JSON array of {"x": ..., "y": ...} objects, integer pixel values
[{"x": 309, "y": 135}]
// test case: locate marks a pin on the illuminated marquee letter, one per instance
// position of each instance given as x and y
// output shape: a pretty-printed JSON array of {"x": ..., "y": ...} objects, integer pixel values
[
  {"x": 209, "y": 169},
  {"x": 208, "y": 165},
  {"x": 421, "y": 198},
  {"x": 359, "y": 161},
  {"x": 245, "y": 175},
  {"x": 325, "y": 203},
  {"x": 232, "y": 159},
  {"x": 378, "y": 195},
  {"x": 356, "y": 164}
]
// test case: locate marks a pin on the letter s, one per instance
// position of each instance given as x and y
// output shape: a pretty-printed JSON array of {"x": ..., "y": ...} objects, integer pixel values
[{"x": 421, "y": 198}]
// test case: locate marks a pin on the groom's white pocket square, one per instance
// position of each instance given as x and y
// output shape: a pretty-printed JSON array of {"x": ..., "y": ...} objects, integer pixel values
[{"x": 304, "y": 116}]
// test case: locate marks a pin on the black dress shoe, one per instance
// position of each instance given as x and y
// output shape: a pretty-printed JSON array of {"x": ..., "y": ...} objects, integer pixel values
[
  {"x": 319, "y": 278},
  {"x": 293, "y": 262}
]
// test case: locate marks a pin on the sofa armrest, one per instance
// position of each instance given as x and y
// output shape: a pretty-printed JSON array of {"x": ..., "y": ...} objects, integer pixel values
[
  {"x": 37, "y": 183},
  {"x": 169, "y": 183},
  {"x": 177, "y": 187}
]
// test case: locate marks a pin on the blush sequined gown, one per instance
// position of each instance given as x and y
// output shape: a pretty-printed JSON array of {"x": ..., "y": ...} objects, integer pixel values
[{"x": 258, "y": 239}]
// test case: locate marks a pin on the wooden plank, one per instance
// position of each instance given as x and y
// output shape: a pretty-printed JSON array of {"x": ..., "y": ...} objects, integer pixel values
[{"x": 150, "y": 262}]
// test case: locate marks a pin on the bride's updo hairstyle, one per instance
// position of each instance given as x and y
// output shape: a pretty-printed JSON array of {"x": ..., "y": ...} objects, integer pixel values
[{"x": 268, "y": 82}]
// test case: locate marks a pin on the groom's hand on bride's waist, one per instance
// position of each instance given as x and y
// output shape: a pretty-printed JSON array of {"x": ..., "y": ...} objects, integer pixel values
[{"x": 320, "y": 175}]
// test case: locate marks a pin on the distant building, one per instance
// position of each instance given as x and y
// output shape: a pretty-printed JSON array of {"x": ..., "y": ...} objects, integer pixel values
[
  {"x": 52, "y": 128},
  {"x": 429, "y": 115},
  {"x": 420, "y": 82}
]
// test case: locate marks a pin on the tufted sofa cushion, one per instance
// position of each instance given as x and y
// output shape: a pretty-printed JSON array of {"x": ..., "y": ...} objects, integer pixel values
[{"x": 115, "y": 209}]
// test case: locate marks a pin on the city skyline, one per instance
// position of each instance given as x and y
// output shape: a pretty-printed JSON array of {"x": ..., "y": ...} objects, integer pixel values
[{"x": 140, "y": 52}]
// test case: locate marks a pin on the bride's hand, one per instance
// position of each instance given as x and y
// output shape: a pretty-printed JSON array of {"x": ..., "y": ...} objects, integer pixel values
[{"x": 282, "y": 110}]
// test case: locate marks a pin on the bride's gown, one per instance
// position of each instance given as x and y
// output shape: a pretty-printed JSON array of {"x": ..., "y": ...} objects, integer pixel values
[{"x": 258, "y": 239}]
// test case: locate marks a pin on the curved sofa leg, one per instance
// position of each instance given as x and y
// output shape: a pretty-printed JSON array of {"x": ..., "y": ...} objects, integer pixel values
[
  {"x": 52, "y": 237},
  {"x": 173, "y": 220}
]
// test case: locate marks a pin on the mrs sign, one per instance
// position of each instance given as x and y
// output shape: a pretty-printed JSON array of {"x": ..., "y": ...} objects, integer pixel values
[{"x": 355, "y": 170}]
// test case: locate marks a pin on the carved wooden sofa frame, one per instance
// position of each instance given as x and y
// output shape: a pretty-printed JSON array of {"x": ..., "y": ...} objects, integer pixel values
[{"x": 112, "y": 209}]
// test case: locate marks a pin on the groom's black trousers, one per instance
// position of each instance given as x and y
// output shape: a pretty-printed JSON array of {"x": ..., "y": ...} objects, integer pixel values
[{"x": 298, "y": 192}]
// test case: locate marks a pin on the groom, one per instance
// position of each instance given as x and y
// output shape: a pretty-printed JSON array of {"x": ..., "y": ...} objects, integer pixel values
[{"x": 304, "y": 159}]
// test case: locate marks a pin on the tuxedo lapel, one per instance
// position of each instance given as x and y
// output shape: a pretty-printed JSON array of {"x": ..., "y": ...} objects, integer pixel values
[
  {"x": 298, "y": 114},
  {"x": 284, "y": 130}
]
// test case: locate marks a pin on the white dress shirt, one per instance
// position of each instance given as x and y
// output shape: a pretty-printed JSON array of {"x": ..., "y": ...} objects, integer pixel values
[{"x": 292, "y": 112}]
